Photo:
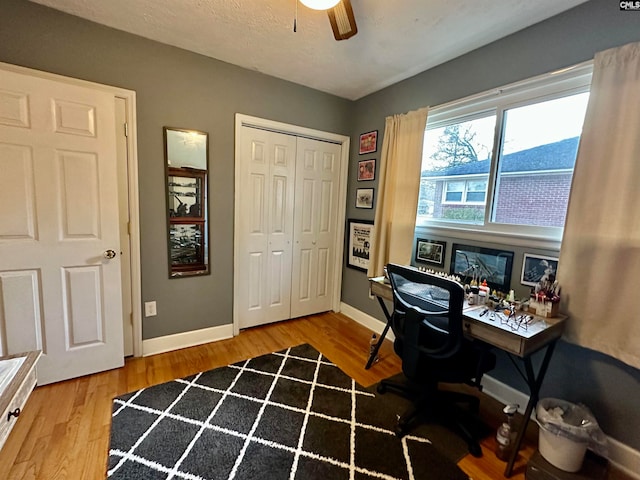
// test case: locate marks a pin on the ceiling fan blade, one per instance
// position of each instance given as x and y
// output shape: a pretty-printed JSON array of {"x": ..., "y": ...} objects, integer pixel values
[{"x": 343, "y": 23}]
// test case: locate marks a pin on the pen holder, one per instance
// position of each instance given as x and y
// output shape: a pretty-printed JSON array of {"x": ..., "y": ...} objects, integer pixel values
[{"x": 543, "y": 308}]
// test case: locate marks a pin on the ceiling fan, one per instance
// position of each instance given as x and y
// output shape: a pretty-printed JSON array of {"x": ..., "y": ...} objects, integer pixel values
[{"x": 341, "y": 18}]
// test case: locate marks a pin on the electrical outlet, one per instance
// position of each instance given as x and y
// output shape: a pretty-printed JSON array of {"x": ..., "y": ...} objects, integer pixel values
[{"x": 150, "y": 309}]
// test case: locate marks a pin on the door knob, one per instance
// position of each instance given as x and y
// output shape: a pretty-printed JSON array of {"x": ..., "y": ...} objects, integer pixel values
[{"x": 109, "y": 254}]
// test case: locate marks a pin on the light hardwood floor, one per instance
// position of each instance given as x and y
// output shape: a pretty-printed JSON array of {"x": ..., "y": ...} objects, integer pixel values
[{"x": 63, "y": 432}]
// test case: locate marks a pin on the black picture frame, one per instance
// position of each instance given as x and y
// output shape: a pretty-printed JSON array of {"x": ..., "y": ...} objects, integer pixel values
[
  {"x": 359, "y": 234},
  {"x": 364, "y": 197},
  {"x": 430, "y": 252},
  {"x": 366, "y": 170},
  {"x": 535, "y": 267},
  {"x": 479, "y": 263},
  {"x": 368, "y": 142}
]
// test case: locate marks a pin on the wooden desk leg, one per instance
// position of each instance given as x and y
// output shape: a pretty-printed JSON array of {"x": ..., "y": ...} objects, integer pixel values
[
  {"x": 534, "y": 388},
  {"x": 374, "y": 352}
]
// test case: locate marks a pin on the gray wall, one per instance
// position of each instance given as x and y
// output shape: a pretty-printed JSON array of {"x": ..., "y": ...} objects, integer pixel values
[
  {"x": 610, "y": 388},
  {"x": 179, "y": 89},
  {"x": 186, "y": 90}
]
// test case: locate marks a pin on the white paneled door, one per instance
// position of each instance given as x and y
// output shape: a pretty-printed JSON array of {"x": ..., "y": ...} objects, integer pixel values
[
  {"x": 60, "y": 285},
  {"x": 267, "y": 189},
  {"x": 315, "y": 222},
  {"x": 286, "y": 226}
]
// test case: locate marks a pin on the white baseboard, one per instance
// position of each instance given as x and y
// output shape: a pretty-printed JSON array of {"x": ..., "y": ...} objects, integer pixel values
[
  {"x": 366, "y": 320},
  {"x": 167, "y": 343},
  {"x": 621, "y": 456}
]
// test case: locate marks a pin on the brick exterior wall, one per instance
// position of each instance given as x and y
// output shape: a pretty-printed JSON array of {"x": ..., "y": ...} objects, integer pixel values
[{"x": 540, "y": 199}]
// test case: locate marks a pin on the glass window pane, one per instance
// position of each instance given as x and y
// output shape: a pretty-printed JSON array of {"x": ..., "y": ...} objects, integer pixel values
[
  {"x": 455, "y": 186},
  {"x": 475, "y": 196},
  {"x": 477, "y": 186},
  {"x": 452, "y": 156},
  {"x": 453, "y": 197},
  {"x": 476, "y": 191},
  {"x": 536, "y": 161}
]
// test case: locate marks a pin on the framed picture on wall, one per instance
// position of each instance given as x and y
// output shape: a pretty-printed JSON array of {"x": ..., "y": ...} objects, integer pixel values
[
  {"x": 477, "y": 263},
  {"x": 359, "y": 244},
  {"x": 366, "y": 170},
  {"x": 536, "y": 268},
  {"x": 430, "y": 251},
  {"x": 364, "y": 198},
  {"x": 368, "y": 142}
]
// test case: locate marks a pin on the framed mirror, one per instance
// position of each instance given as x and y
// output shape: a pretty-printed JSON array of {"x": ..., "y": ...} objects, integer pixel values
[{"x": 187, "y": 168}]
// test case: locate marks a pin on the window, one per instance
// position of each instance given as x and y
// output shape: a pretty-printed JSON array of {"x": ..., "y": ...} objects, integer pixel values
[
  {"x": 468, "y": 191},
  {"x": 502, "y": 161},
  {"x": 536, "y": 161},
  {"x": 476, "y": 191},
  {"x": 454, "y": 191},
  {"x": 455, "y": 170}
]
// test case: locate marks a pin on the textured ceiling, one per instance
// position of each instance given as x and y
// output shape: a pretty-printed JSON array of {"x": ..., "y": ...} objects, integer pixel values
[{"x": 396, "y": 38}]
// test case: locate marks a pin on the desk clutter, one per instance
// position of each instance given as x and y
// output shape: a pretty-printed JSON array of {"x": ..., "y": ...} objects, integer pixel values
[
  {"x": 545, "y": 297},
  {"x": 543, "y": 301}
]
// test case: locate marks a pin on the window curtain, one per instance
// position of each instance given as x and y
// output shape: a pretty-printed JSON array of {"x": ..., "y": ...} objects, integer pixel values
[
  {"x": 398, "y": 188},
  {"x": 599, "y": 269}
]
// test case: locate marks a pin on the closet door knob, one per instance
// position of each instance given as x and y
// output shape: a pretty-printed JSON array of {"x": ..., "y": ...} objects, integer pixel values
[{"x": 109, "y": 254}]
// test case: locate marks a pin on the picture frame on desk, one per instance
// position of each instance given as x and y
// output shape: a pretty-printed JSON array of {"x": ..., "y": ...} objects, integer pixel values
[
  {"x": 359, "y": 244},
  {"x": 430, "y": 252},
  {"x": 536, "y": 268},
  {"x": 479, "y": 263}
]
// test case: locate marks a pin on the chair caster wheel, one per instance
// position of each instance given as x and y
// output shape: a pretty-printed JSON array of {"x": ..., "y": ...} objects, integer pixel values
[
  {"x": 475, "y": 450},
  {"x": 381, "y": 388},
  {"x": 399, "y": 431}
]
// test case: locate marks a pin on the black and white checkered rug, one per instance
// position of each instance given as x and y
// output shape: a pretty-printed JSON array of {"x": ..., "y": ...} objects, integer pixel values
[{"x": 286, "y": 415}]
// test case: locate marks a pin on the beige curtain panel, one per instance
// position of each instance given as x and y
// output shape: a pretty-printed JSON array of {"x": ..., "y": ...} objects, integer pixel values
[
  {"x": 398, "y": 188},
  {"x": 600, "y": 256}
]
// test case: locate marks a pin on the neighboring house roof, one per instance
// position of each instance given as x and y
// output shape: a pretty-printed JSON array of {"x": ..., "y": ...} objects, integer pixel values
[{"x": 552, "y": 156}]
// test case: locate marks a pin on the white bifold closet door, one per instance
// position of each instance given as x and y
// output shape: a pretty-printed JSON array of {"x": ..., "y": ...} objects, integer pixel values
[{"x": 287, "y": 226}]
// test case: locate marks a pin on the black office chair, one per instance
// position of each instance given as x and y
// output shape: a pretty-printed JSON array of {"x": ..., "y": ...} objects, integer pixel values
[{"x": 427, "y": 323}]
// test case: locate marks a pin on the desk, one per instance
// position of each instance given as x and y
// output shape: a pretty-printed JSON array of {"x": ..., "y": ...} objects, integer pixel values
[{"x": 541, "y": 333}]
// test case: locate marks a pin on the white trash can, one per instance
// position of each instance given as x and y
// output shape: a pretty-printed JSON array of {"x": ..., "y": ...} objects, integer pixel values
[
  {"x": 561, "y": 452},
  {"x": 566, "y": 431}
]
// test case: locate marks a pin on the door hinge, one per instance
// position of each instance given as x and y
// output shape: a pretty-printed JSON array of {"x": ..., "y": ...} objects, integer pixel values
[
  {"x": 131, "y": 318},
  {"x": 126, "y": 129},
  {"x": 129, "y": 228}
]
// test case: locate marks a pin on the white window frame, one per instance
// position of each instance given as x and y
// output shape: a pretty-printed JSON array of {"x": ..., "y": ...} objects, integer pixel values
[{"x": 558, "y": 84}]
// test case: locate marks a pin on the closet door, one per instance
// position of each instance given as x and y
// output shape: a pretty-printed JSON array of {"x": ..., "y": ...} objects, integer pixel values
[
  {"x": 265, "y": 226},
  {"x": 315, "y": 219}
]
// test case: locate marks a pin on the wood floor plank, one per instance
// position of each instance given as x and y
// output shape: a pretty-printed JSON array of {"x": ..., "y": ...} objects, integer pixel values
[{"x": 63, "y": 433}]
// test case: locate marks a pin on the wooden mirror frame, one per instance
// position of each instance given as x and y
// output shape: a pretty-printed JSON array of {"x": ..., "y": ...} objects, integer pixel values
[{"x": 186, "y": 155}]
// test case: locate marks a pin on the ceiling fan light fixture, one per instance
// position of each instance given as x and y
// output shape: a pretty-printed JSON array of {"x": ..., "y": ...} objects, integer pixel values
[
  {"x": 343, "y": 22},
  {"x": 320, "y": 4}
]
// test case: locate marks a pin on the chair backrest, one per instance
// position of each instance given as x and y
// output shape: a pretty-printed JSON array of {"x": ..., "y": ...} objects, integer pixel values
[{"x": 427, "y": 316}]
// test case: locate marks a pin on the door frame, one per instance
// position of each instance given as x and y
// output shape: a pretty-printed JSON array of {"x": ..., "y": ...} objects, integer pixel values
[
  {"x": 129, "y": 96},
  {"x": 243, "y": 120}
]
